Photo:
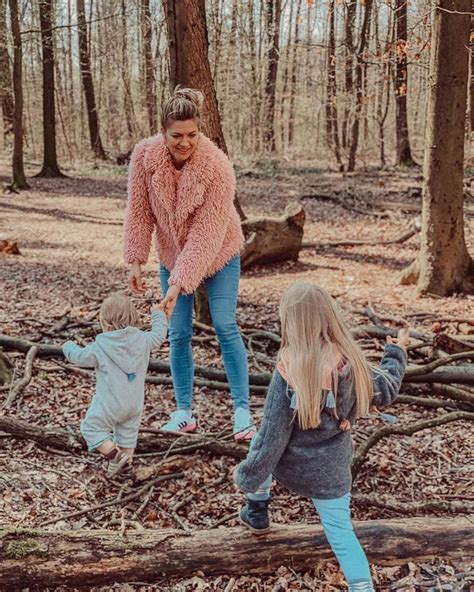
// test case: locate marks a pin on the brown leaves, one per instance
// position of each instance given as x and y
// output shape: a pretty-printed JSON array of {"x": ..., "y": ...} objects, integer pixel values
[{"x": 9, "y": 247}]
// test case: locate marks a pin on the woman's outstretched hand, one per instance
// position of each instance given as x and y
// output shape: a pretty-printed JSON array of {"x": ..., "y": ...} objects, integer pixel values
[
  {"x": 169, "y": 301},
  {"x": 135, "y": 281}
]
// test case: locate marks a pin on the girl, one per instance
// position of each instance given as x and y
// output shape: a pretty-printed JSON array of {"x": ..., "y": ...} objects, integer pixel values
[
  {"x": 322, "y": 383},
  {"x": 181, "y": 188},
  {"x": 120, "y": 356}
]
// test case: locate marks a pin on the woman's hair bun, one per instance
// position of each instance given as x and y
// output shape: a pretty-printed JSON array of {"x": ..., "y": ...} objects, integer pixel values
[{"x": 190, "y": 94}]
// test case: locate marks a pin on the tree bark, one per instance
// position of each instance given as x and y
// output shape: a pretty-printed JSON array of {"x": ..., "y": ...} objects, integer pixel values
[
  {"x": 272, "y": 16},
  {"x": 150, "y": 81},
  {"x": 50, "y": 166},
  {"x": 404, "y": 157},
  {"x": 19, "y": 178},
  {"x": 6, "y": 91},
  {"x": 445, "y": 264},
  {"x": 42, "y": 558},
  {"x": 87, "y": 83}
]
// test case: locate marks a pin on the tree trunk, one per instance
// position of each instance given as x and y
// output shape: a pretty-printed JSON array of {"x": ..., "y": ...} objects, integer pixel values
[
  {"x": 445, "y": 264},
  {"x": 150, "y": 81},
  {"x": 351, "y": 8},
  {"x": 404, "y": 157},
  {"x": 50, "y": 161},
  {"x": 294, "y": 76},
  {"x": 19, "y": 179},
  {"x": 272, "y": 16},
  {"x": 273, "y": 239},
  {"x": 6, "y": 92},
  {"x": 360, "y": 65},
  {"x": 127, "y": 94},
  {"x": 189, "y": 66},
  {"x": 332, "y": 129},
  {"x": 87, "y": 83},
  {"x": 42, "y": 558},
  {"x": 189, "y": 63}
]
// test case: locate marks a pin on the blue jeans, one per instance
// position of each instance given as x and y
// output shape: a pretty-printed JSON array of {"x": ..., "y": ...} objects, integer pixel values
[
  {"x": 335, "y": 516},
  {"x": 222, "y": 290}
]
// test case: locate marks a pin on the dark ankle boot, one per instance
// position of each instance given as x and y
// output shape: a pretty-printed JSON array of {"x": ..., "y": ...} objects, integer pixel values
[{"x": 255, "y": 516}]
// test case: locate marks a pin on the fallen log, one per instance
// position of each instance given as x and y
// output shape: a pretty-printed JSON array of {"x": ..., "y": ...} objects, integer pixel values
[
  {"x": 148, "y": 441},
  {"x": 42, "y": 558},
  {"x": 269, "y": 240},
  {"x": 46, "y": 350},
  {"x": 457, "y": 374}
]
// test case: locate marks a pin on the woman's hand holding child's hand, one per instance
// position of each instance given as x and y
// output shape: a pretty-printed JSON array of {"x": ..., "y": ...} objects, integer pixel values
[
  {"x": 169, "y": 301},
  {"x": 162, "y": 308},
  {"x": 402, "y": 340}
]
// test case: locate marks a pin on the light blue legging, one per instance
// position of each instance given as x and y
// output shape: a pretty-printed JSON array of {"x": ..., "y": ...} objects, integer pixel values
[
  {"x": 335, "y": 516},
  {"x": 222, "y": 291}
]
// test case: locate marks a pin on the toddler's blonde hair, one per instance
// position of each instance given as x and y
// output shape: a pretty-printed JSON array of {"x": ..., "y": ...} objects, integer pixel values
[
  {"x": 311, "y": 327},
  {"x": 118, "y": 311}
]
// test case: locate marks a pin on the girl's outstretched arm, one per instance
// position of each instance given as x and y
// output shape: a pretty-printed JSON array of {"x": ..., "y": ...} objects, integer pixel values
[
  {"x": 271, "y": 440},
  {"x": 387, "y": 382},
  {"x": 81, "y": 356}
]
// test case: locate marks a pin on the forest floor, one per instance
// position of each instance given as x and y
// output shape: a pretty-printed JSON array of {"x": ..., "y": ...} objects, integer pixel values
[{"x": 69, "y": 235}]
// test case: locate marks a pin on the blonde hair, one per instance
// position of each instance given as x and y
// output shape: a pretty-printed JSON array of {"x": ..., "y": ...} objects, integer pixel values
[
  {"x": 184, "y": 104},
  {"x": 311, "y": 327},
  {"x": 117, "y": 312}
]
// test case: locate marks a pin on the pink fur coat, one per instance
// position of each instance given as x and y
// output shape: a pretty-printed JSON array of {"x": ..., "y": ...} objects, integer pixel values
[{"x": 197, "y": 226}]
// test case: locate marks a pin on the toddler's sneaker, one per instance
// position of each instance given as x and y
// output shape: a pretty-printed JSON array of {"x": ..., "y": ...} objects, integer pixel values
[
  {"x": 116, "y": 461},
  {"x": 244, "y": 428},
  {"x": 181, "y": 422},
  {"x": 255, "y": 516}
]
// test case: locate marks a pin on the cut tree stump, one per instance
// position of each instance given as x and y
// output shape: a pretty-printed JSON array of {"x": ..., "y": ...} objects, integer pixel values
[
  {"x": 41, "y": 558},
  {"x": 269, "y": 240}
]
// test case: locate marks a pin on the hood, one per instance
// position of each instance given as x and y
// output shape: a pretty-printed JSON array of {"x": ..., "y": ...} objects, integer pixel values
[{"x": 124, "y": 347}]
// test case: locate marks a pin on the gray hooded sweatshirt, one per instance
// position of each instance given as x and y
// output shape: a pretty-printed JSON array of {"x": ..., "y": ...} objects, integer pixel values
[
  {"x": 314, "y": 463},
  {"x": 121, "y": 360}
]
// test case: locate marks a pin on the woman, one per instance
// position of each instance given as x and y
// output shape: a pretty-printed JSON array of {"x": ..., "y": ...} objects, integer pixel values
[{"x": 182, "y": 186}]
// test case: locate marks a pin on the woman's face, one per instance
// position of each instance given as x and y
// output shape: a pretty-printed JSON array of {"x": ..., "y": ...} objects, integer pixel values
[{"x": 182, "y": 138}]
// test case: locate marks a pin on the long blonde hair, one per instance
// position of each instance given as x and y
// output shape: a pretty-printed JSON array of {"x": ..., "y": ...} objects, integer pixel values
[{"x": 312, "y": 327}]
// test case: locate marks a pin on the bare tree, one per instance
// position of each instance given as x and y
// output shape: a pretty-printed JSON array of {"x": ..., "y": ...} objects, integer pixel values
[
  {"x": 404, "y": 156},
  {"x": 189, "y": 63},
  {"x": 332, "y": 128},
  {"x": 50, "y": 166},
  {"x": 360, "y": 66},
  {"x": 272, "y": 15},
  {"x": 19, "y": 179},
  {"x": 350, "y": 14},
  {"x": 150, "y": 81},
  {"x": 6, "y": 92},
  {"x": 87, "y": 83},
  {"x": 444, "y": 265}
]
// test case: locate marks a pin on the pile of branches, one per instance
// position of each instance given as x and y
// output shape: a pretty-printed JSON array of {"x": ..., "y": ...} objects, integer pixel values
[{"x": 440, "y": 375}]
